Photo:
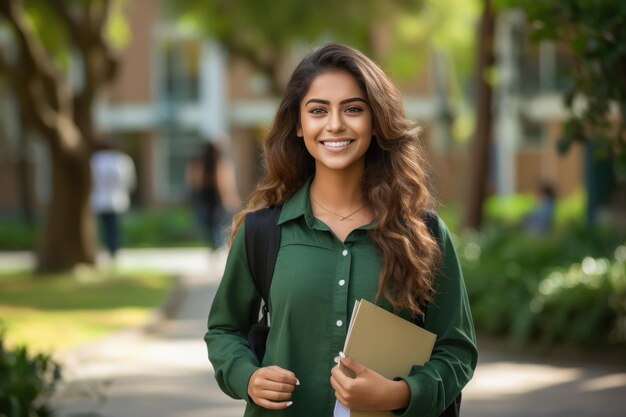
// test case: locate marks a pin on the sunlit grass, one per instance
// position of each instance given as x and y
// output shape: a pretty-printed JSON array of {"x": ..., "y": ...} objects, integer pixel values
[{"x": 56, "y": 312}]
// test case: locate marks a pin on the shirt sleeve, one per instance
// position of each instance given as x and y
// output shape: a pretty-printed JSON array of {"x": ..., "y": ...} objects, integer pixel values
[
  {"x": 436, "y": 384},
  {"x": 230, "y": 318}
]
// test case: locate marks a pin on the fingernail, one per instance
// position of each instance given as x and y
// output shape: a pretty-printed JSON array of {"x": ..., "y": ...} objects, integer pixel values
[
  {"x": 336, "y": 359},
  {"x": 342, "y": 355},
  {"x": 289, "y": 403},
  {"x": 297, "y": 381}
]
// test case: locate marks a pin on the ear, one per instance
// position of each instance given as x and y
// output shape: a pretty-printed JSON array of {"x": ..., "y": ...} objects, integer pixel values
[{"x": 299, "y": 131}]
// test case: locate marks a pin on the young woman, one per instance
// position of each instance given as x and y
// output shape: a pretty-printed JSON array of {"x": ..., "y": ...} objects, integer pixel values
[{"x": 347, "y": 166}]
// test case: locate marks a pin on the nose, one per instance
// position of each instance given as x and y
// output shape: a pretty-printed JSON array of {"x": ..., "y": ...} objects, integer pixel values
[{"x": 335, "y": 122}]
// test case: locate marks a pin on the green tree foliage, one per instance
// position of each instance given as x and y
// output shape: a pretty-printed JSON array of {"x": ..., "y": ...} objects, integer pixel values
[
  {"x": 594, "y": 34},
  {"x": 441, "y": 34},
  {"x": 264, "y": 33},
  {"x": 409, "y": 38}
]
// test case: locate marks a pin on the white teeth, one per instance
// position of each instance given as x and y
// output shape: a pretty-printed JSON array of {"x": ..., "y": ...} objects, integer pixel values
[{"x": 337, "y": 144}]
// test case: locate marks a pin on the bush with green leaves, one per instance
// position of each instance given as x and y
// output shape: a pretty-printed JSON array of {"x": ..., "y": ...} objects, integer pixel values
[
  {"x": 161, "y": 228},
  {"x": 26, "y": 382},
  {"x": 165, "y": 227},
  {"x": 508, "y": 273},
  {"x": 582, "y": 303},
  {"x": 15, "y": 234}
]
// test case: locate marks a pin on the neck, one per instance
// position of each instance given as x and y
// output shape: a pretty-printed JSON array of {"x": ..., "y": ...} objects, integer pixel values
[{"x": 338, "y": 190}]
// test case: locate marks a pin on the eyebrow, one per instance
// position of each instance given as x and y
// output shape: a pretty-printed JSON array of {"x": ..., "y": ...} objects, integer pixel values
[{"x": 342, "y": 102}]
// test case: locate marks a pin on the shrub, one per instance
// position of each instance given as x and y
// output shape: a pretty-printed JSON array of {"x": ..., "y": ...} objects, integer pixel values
[
  {"x": 17, "y": 235},
  {"x": 582, "y": 303},
  {"x": 543, "y": 288},
  {"x": 160, "y": 228},
  {"x": 166, "y": 227},
  {"x": 26, "y": 382},
  {"x": 509, "y": 210}
]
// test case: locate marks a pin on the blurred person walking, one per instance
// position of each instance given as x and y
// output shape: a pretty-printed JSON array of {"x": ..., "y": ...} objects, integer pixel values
[
  {"x": 213, "y": 193},
  {"x": 540, "y": 220},
  {"x": 113, "y": 179}
]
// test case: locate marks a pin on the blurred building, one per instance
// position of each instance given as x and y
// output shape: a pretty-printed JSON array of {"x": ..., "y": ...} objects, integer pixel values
[{"x": 176, "y": 90}]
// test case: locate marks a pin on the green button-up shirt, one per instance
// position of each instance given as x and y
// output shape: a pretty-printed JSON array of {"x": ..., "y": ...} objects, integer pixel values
[{"x": 317, "y": 279}]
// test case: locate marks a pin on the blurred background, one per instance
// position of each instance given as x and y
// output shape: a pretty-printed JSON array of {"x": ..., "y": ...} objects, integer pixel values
[{"x": 522, "y": 103}]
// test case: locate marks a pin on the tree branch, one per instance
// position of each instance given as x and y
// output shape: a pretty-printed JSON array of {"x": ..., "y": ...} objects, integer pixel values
[
  {"x": 6, "y": 69},
  {"x": 87, "y": 33},
  {"x": 13, "y": 11},
  {"x": 37, "y": 82},
  {"x": 33, "y": 55},
  {"x": 70, "y": 21},
  {"x": 101, "y": 18},
  {"x": 27, "y": 91},
  {"x": 267, "y": 66}
]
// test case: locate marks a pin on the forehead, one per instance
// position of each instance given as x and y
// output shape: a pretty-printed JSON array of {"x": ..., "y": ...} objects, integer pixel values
[{"x": 334, "y": 85}]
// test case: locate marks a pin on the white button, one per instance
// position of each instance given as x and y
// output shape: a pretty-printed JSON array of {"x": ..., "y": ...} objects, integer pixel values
[
  {"x": 339, "y": 323},
  {"x": 345, "y": 252},
  {"x": 342, "y": 282}
]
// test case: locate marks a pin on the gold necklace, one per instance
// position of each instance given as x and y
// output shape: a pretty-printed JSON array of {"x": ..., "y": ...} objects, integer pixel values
[{"x": 341, "y": 217}]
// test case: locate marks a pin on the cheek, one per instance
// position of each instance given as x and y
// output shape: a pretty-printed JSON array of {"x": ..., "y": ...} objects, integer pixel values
[
  {"x": 310, "y": 128},
  {"x": 365, "y": 128}
]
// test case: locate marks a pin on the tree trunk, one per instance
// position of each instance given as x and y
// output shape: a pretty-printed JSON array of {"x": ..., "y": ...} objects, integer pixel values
[
  {"x": 481, "y": 149},
  {"x": 63, "y": 118},
  {"x": 68, "y": 214},
  {"x": 24, "y": 179}
]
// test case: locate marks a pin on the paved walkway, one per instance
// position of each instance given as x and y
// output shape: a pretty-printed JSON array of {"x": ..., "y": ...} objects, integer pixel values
[{"x": 164, "y": 372}]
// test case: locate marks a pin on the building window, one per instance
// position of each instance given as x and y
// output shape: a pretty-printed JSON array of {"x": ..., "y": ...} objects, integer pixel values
[
  {"x": 181, "y": 147},
  {"x": 542, "y": 66},
  {"x": 179, "y": 78},
  {"x": 178, "y": 94}
]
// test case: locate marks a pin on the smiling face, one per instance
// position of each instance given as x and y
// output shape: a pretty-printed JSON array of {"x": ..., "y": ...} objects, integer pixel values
[{"x": 336, "y": 122}]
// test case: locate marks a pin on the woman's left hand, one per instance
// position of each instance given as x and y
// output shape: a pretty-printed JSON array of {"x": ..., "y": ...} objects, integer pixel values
[{"x": 369, "y": 391}]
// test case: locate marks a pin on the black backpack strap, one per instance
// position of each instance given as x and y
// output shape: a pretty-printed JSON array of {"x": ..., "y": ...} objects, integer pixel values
[
  {"x": 431, "y": 220},
  {"x": 262, "y": 244}
]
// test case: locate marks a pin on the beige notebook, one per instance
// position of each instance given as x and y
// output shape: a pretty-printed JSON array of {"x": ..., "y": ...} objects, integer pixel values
[{"x": 385, "y": 343}]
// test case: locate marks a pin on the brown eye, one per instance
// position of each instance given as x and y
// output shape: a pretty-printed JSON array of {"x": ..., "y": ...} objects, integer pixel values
[{"x": 317, "y": 110}]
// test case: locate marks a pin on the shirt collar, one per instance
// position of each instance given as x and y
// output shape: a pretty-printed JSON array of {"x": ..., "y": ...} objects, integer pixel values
[{"x": 298, "y": 205}]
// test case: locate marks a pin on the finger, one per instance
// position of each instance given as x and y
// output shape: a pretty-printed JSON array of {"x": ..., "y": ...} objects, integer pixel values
[
  {"x": 343, "y": 397},
  {"x": 259, "y": 396},
  {"x": 353, "y": 365},
  {"x": 278, "y": 374},
  {"x": 337, "y": 375},
  {"x": 333, "y": 380},
  {"x": 339, "y": 380},
  {"x": 272, "y": 405},
  {"x": 276, "y": 386},
  {"x": 274, "y": 396},
  {"x": 261, "y": 385}
]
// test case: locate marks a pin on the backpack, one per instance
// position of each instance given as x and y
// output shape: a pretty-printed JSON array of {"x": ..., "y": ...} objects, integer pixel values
[{"x": 262, "y": 240}]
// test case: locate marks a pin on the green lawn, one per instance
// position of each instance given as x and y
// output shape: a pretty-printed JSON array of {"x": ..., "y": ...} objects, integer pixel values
[{"x": 53, "y": 312}]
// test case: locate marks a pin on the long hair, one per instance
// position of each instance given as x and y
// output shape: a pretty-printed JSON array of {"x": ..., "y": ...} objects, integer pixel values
[{"x": 395, "y": 184}]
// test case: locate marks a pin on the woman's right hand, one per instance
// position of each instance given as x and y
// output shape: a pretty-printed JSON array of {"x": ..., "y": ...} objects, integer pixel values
[{"x": 271, "y": 387}]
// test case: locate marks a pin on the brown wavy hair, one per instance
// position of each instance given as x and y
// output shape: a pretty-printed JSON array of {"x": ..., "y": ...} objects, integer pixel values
[{"x": 395, "y": 186}]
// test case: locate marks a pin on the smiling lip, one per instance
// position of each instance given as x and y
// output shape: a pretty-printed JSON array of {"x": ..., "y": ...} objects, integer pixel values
[{"x": 336, "y": 143}]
